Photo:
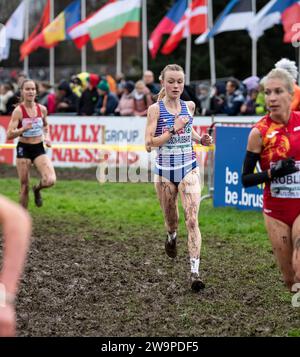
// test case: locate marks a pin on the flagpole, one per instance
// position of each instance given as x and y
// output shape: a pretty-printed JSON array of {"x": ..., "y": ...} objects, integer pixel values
[
  {"x": 119, "y": 57},
  {"x": 188, "y": 50},
  {"x": 254, "y": 46},
  {"x": 83, "y": 49},
  {"x": 144, "y": 35},
  {"x": 51, "y": 51},
  {"x": 212, "y": 60},
  {"x": 26, "y": 59}
]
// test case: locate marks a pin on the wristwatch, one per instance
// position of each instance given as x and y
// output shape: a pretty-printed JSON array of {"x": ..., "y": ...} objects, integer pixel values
[{"x": 172, "y": 130}]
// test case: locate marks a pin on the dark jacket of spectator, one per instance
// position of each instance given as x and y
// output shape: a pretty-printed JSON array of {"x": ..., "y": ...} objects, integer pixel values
[
  {"x": 107, "y": 102},
  {"x": 89, "y": 97},
  {"x": 13, "y": 102},
  {"x": 66, "y": 100},
  {"x": 233, "y": 98},
  {"x": 190, "y": 94},
  {"x": 88, "y": 101}
]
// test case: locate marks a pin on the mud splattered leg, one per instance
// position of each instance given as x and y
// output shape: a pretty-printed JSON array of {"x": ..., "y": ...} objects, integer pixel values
[
  {"x": 167, "y": 193},
  {"x": 280, "y": 236},
  {"x": 23, "y": 168},
  {"x": 190, "y": 193},
  {"x": 296, "y": 249}
]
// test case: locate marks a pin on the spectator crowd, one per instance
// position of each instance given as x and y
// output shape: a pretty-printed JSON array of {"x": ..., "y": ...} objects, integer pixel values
[{"x": 91, "y": 94}]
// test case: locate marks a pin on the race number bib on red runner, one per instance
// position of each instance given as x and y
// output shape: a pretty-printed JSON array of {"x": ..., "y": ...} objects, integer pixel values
[{"x": 287, "y": 186}]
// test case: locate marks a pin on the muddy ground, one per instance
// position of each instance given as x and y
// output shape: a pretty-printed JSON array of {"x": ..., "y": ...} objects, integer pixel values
[
  {"x": 103, "y": 287},
  {"x": 110, "y": 287}
]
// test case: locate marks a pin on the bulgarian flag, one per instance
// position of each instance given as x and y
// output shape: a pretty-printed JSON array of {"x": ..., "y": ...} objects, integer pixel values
[
  {"x": 79, "y": 32},
  {"x": 116, "y": 20}
]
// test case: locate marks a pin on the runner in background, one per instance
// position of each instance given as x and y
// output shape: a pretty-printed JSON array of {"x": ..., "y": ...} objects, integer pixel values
[{"x": 29, "y": 124}]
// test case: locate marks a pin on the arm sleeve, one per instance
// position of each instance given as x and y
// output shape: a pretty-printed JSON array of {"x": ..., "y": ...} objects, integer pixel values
[{"x": 248, "y": 177}]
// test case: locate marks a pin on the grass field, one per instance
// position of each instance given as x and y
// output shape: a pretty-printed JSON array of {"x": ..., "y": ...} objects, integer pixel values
[{"x": 97, "y": 267}]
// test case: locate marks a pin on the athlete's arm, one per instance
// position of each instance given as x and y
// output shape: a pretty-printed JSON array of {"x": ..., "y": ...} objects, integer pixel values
[
  {"x": 205, "y": 139},
  {"x": 46, "y": 126},
  {"x": 16, "y": 225},
  {"x": 12, "y": 130},
  {"x": 152, "y": 118},
  {"x": 254, "y": 147},
  {"x": 191, "y": 105}
]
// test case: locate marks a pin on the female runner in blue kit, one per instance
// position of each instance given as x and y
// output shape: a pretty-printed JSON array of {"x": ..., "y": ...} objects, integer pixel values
[{"x": 169, "y": 127}]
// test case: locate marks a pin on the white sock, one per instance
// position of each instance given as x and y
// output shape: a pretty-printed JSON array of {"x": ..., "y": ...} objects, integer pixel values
[
  {"x": 195, "y": 262},
  {"x": 172, "y": 236}
]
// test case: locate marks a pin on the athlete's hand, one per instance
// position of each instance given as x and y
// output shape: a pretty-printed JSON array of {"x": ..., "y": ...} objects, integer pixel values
[
  {"x": 7, "y": 321},
  {"x": 180, "y": 122},
  {"x": 284, "y": 167},
  {"x": 47, "y": 143},
  {"x": 206, "y": 140}
]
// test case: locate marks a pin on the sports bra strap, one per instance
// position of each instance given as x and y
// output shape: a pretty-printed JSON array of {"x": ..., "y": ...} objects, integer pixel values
[
  {"x": 24, "y": 112},
  {"x": 39, "y": 111}
]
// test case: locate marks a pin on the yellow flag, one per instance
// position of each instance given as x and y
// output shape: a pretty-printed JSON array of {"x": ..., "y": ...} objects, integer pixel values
[{"x": 55, "y": 31}]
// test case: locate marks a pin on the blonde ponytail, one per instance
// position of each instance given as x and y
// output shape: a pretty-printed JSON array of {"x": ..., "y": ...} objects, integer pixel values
[{"x": 161, "y": 94}]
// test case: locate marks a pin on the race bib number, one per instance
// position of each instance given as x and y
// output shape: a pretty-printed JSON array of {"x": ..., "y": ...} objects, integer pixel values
[{"x": 287, "y": 186}]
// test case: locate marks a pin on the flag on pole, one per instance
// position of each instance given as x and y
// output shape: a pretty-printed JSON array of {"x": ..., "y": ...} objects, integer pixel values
[
  {"x": 13, "y": 30},
  {"x": 114, "y": 21},
  {"x": 56, "y": 31},
  {"x": 79, "y": 32},
  {"x": 166, "y": 26},
  {"x": 268, "y": 16},
  {"x": 29, "y": 45},
  {"x": 291, "y": 23},
  {"x": 236, "y": 16},
  {"x": 193, "y": 21}
]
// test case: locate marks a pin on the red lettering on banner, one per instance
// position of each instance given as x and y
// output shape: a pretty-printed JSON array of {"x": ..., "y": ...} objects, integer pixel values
[
  {"x": 72, "y": 137},
  {"x": 132, "y": 157},
  {"x": 201, "y": 155},
  {"x": 57, "y": 155},
  {"x": 120, "y": 158},
  {"x": 76, "y": 133},
  {"x": 59, "y": 132},
  {"x": 95, "y": 131},
  {"x": 68, "y": 155},
  {"x": 6, "y": 155},
  {"x": 84, "y": 137},
  {"x": 200, "y": 129},
  {"x": 76, "y": 155}
]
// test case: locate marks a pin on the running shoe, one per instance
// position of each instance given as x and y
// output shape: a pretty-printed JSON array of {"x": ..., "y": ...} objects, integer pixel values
[
  {"x": 37, "y": 197},
  {"x": 196, "y": 283},
  {"x": 170, "y": 247}
]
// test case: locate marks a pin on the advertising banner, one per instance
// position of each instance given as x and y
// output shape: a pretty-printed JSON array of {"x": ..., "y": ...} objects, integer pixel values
[
  {"x": 88, "y": 141},
  {"x": 124, "y": 138},
  {"x": 229, "y": 157},
  {"x": 6, "y": 155}
]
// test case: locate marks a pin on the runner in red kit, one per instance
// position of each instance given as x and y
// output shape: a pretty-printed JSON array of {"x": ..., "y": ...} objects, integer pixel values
[
  {"x": 274, "y": 142},
  {"x": 29, "y": 124}
]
